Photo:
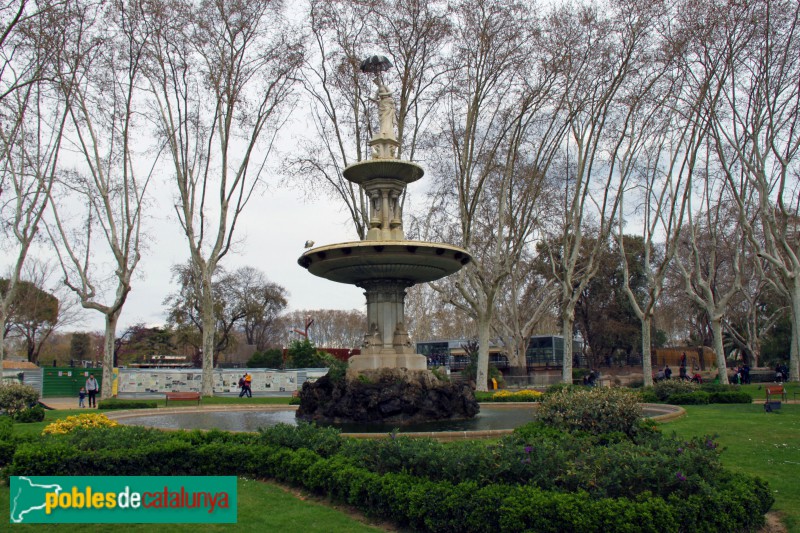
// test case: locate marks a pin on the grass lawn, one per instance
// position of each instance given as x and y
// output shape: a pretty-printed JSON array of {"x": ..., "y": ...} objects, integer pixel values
[
  {"x": 49, "y": 417},
  {"x": 262, "y": 507},
  {"x": 755, "y": 442}
]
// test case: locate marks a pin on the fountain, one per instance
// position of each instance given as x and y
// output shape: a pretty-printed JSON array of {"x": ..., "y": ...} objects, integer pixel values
[{"x": 388, "y": 382}]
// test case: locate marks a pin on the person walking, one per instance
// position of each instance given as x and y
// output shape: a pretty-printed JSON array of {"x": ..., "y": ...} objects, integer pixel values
[
  {"x": 82, "y": 397},
  {"x": 248, "y": 382},
  {"x": 242, "y": 392},
  {"x": 91, "y": 390}
]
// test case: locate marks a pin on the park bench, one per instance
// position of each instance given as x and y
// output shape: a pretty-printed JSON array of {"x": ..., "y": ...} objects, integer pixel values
[
  {"x": 183, "y": 397},
  {"x": 772, "y": 391}
]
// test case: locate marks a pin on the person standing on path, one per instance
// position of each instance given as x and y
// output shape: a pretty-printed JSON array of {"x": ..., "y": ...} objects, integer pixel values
[{"x": 91, "y": 390}]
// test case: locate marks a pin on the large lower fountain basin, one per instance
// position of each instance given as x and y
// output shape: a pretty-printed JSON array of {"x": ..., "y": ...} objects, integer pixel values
[
  {"x": 493, "y": 420},
  {"x": 410, "y": 261}
]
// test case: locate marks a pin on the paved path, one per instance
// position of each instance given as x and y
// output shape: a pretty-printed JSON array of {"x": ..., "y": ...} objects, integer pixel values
[{"x": 63, "y": 403}]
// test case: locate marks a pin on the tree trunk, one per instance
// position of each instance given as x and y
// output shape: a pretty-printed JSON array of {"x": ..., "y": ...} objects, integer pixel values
[
  {"x": 2, "y": 339},
  {"x": 567, "y": 323},
  {"x": 794, "y": 353},
  {"x": 716, "y": 329},
  {"x": 647, "y": 361},
  {"x": 108, "y": 355},
  {"x": 482, "y": 374},
  {"x": 209, "y": 325}
]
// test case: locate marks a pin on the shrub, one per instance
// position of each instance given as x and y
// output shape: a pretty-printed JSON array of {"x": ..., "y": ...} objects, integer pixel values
[
  {"x": 689, "y": 398},
  {"x": 31, "y": 414},
  {"x": 272, "y": 358},
  {"x": 114, "y": 403},
  {"x": 440, "y": 373},
  {"x": 596, "y": 410},
  {"x": 87, "y": 421},
  {"x": 718, "y": 387},
  {"x": 730, "y": 397},
  {"x": 665, "y": 389},
  {"x": 518, "y": 396},
  {"x": 648, "y": 395},
  {"x": 556, "y": 388},
  {"x": 324, "y": 441},
  {"x": 481, "y": 396},
  {"x": 15, "y": 397}
]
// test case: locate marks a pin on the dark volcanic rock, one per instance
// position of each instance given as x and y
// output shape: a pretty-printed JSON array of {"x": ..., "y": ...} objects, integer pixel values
[{"x": 389, "y": 396}]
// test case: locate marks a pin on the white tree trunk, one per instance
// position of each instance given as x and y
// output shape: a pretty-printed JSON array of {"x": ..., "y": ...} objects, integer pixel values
[
  {"x": 716, "y": 330},
  {"x": 482, "y": 374},
  {"x": 209, "y": 323},
  {"x": 108, "y": 355},
  {"x": 567, "y": 324},
  {"x": 647, "y": 361},
  {"x": 2, "y": 337},
  {"x": 794, "y": 353}
]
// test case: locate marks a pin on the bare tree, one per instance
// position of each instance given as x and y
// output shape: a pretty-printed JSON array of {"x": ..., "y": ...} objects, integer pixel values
[
  {"x": 502, "y": 132},
  {"x": 430, "y": 317},
  {"x": 29, "y": 35},
  {"x": 32, "y": 120},
  {"x": 527, "y": 299},
  {"x": 98, "y": 206},
  {"x": 711, "y": 260},
  {"x": 601, "y": 59},
  {"x": 756, "y": 130},
  {"x": 243, "y": 300},
  {"x": 263, "y": 301},
  {"x": 40, "y": 307},
  {"x": 412, "y": 33},
  {"x": 753, "y": 312},
  {"x": 657, "y": 169},
  {"x": 329, "y": 328},
  {"x": 222, "y": 74}
]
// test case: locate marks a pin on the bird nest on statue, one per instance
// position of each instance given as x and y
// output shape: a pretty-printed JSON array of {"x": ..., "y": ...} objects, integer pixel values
[{"x": 386, "y": 396}]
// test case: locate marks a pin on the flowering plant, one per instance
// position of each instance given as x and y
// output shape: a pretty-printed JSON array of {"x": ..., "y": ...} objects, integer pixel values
[
  {"x": 518, "y": 396},
  {"x": 88, "y": 421}
]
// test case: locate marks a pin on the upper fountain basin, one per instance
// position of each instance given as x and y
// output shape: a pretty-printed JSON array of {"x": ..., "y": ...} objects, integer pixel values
[
  {"x": 359, "y": 261},
  {"x": 395, "y": 169}
]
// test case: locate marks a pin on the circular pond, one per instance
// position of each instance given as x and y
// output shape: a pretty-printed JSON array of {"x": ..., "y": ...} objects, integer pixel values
[{"x": 494, "y": 419}]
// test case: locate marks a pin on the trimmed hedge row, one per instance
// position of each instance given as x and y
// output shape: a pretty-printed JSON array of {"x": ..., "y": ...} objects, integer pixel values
[
  {"x": 685, "y": 393},
  {"x": 114, "y": 403},
  {"x": 736, "y": 502}
]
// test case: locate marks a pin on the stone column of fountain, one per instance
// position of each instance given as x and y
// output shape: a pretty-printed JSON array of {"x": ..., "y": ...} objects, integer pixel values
[{"x": 385, "y": 264}]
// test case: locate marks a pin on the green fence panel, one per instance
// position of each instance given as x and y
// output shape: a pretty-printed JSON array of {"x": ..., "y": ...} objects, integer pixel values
[{"x": 67, "y": 382}]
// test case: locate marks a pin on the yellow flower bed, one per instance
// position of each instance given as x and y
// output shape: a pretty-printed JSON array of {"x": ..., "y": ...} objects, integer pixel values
[
  {"x": 95, "y": 420},
  {"x": 518, "y": 396}
]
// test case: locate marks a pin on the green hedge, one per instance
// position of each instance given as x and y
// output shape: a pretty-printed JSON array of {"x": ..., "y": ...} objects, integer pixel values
[
  {"x": 685, "y": 393},
  {"x": 689, "y": 398},
  {"x": 729, "y": 397},
  {"x": 114, "y": 403},
  {"x": 30, "y": 414},
  {"x": 410, "y": 501}
]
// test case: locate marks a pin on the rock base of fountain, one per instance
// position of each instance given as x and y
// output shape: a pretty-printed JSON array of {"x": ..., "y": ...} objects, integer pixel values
[{"x": 386, "y": 396}]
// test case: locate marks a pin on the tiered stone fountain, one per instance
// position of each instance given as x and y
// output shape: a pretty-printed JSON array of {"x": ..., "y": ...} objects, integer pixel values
[{"x": 388, "y": 381}]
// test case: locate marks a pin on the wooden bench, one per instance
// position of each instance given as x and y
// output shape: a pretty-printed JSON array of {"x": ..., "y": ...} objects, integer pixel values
[
  {"x": 775, "y": 390},
  {"x": 183, "y": 397},
  {"x": 772, "y": 391}
]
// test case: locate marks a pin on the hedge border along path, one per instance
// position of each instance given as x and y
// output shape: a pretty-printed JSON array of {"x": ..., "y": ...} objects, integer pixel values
[{"x": 739, "y": 503}]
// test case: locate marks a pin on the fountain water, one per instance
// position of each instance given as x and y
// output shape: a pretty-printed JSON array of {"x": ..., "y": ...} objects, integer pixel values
[{"x": 388, "y": 381}]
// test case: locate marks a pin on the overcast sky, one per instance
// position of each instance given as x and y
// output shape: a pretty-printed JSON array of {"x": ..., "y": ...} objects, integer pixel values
[{"x": 270, "y": 237}]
